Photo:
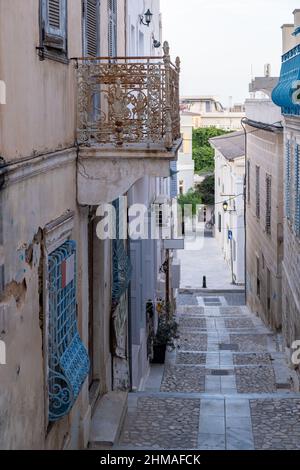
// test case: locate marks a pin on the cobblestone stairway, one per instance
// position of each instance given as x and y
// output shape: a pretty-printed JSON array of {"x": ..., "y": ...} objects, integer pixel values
[{"x": 226, "y": 386}]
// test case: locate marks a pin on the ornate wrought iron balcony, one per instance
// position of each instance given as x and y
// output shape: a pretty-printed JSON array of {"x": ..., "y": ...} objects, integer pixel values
[
  {"x": 129, "y": 101},
  {"x": 287, "y": 94}
]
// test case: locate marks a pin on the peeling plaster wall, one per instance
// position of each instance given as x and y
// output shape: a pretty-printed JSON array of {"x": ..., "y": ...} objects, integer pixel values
[
  {"x": 38, "y": 119},
  {"x": 29, "y": 206}
]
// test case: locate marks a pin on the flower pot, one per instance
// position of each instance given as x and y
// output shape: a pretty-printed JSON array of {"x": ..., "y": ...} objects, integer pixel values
[{"x": 159, "y": 354}]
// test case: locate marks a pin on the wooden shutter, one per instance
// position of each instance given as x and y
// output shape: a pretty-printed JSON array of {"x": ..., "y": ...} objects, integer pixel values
[
  {"x": 248, "y": 180},
  {"x": 297, "y": 190},
  {"x": 91, "y": 12},
  {"x": 54, "y": 23},
  {"x": 173, "y": 182},
  {"x": 112, "y": 28},
  {"x": 257, "y": 192},
  {"x": 288, "y": 181},
  {"x": 268, "y": 203}
]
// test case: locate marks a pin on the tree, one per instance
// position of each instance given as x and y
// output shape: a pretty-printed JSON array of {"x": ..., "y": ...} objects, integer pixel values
[
  {"x": 203, "y": 153},
  {"x": 206, "y": 190},
  {"x": 192, "y": 197}
]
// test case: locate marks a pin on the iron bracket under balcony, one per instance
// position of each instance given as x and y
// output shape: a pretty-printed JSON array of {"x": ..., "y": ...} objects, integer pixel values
[{"x": 128, "y": 123}]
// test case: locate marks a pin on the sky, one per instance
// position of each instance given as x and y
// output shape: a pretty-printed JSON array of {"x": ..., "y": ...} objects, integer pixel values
[{"x": 219, "y": 42}]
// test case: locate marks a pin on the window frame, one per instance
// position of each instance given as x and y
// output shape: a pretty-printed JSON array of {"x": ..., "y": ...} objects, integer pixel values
[
  {"x": 257, "y": 191},
  {"x": 84, "y": 6},
  {"x": 268, "y": 204},
  {"x": 53, "y": 42},
  {"x": 112, "y": 28}
]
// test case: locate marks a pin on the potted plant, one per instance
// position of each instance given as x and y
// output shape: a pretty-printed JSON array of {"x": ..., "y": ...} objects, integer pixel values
[{"x": 165, "y": 336}]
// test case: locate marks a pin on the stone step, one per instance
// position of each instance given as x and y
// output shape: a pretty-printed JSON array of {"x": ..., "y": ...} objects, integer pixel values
[
  {"x": 108, "y": 420},
  {"x": 281, "y": 395}
]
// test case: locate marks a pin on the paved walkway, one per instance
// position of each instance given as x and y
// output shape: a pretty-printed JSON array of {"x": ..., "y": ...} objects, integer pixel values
[
  {"x": 202, "y": 256},
  {"x": 226, "y": 386}
]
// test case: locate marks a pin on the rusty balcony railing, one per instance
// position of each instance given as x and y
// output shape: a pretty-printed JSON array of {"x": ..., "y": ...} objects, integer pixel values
[{"x": 128, "y": 101}]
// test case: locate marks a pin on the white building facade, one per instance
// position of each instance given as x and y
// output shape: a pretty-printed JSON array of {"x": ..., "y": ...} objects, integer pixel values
[
  {"x": 149, "y": 282},
  {"x": 209, "y": 112},
  {"x": 229, "y": 201},
  {"x": 185, "y": 164}
]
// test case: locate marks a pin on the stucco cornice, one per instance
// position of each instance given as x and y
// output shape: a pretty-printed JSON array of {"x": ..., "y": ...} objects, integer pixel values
[{"x": 28, "y": 168}]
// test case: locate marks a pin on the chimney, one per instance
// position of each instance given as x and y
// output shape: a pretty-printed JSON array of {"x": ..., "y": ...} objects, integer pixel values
[
  {"x": 296, "y": 14},
  {"x": 288, "y": 40},
  {"x": 267, "y": 70}
]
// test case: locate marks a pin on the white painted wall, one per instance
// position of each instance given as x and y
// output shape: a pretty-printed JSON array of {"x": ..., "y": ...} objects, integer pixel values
[
  {"x": 186, "y": 164},
  {"x": 263, "y": 110},
  {"x": 139, "y": 37},
  {"x": 229, "y": 187},
  {"x": 147, "y": 256}
]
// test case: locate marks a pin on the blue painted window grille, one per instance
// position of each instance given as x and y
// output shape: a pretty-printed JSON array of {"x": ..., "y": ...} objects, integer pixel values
[
  {"x": 67, "y": 356},
  {"x": 297, "y": 190},
  {"x": 122, "y": 268},
  {"x": 288, "y": 181},
  {"x": 174, "y": 180}
]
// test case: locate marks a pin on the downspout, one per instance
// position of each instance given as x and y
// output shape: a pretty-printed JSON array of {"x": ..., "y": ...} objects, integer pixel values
[
  {"x": 246, "y": 177},
  {"x": 126, "y": 26}
]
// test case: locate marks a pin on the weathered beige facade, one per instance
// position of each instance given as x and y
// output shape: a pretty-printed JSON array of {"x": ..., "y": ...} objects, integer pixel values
[
  {"x": 264, "y": 220},
  {"x": 291, "y": 172},
  {"x": 40, "y": 211}
]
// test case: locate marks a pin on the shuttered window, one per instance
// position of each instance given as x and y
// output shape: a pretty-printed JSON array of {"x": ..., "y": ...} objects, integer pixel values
[
  {"x": 54, "y": 14},
  {"x": 173, "y": 180},
  {"x": 268, "y": 203},
  {"x": 257, "y": 190},
  {"x": 112, "y": 28},
  {"x": 288, "y": 180},
  {"x": 248, "y": 180},
  {"x": 91, "y": 33},
  {"x": 54, "y": 26},
  {"x": 297, "y": 190}
]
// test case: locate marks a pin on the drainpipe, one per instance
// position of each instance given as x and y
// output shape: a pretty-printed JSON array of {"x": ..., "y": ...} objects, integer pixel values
[{"x": 245, "y": 207}]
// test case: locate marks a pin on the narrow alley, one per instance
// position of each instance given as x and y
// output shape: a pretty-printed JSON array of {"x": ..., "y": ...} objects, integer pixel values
[{"x": 225, "y": 386}]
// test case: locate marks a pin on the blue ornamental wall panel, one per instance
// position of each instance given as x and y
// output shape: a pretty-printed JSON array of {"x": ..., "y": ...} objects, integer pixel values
[{"x": 68, "y": 359}]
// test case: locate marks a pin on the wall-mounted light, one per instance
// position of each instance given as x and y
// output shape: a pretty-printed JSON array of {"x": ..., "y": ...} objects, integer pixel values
[
  {"x": 225, "y": 206},
  {"x": 147, "y": 17}
]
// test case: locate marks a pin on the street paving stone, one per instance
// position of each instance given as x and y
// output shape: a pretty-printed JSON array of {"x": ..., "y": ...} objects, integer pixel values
[
  {"x": 231, "y": 311},
  {"x": 192, "y": 342},
  {"x": 220, "y": 351},
  {"x": 191, "y": 322},
  {"x": 248, "y": 343},
  {"x": 183, "y": 379},
  {"x": 252, "y": 359},
  {"x": 190, "y": 358},
  {"x": 191, "y": 310},
  {"x": 186, "y": 299},
  {"x": 237, "y": 323},
  {"x": 253, "y": 379},
  {"x": 276, "y": 424},
  {"x": 163, "y": 423}
]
